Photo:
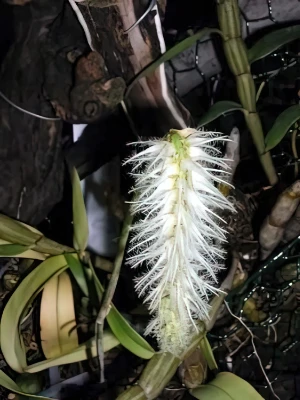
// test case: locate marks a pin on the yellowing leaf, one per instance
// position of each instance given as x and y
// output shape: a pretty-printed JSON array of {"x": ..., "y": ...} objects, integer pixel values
[
  {"x": 82, "y": 352},
  {"x": 11, "y": 341},
  {"x": 67, "y": 331},
  {"x": 57, "y": 317},
  {"x": 48, "y": 319},
  {"x": 17, "y": 306}
]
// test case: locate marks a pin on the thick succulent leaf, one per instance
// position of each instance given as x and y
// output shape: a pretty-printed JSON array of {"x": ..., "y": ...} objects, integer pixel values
[
  {"x": 226, "y": 386},
  {"x": 282, "y": 124},
  {"x": 273, "y": 41},
  {"x": 218, "y": 109},
  {"x": 11, "y": 342}
]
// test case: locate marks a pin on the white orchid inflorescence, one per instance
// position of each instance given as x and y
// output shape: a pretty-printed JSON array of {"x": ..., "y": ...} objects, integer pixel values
[{"x": 179, "y": 233}]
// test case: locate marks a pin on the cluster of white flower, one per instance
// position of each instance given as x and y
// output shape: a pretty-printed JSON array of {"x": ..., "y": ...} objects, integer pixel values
[{"x": 178, "y": 236}]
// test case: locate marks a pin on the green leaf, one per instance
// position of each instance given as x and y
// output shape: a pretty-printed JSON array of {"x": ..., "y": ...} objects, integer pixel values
[
  {"x": 78, "y": 272},
  {"x": 10, "y": 250},
  {"x": 218, "y": 109},
  {"x": 17, "y": 250},
  {"x": 273, "y": 41},
  {"x": 16, "y": 232},
  {"x": 11, "y": 341},
  {"x": 30, "y": 383},
  {"x": 208, "y": 353},
  {"x": 9, "y": 384},
  {"x": 81, "y": 353},
  {"x": 226, "y": 386},
  {"x": 171, "y": 53},
  {"x": 81, "y": 228},
  {"x": 282, "y": 124},
  {"x": 127, "y": 336}
]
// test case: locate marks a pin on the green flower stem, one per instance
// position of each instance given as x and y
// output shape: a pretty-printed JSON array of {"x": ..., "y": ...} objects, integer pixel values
[
  {"x": 159, "y": 371},
  {"x": 236, "y": 54},
  {"x": 155, "y": 377},
  {"x": 163, "y": 366},
  {"x": 108, "y": 295}
]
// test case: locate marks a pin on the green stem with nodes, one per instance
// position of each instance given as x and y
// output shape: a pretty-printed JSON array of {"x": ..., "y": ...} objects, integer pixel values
[
  {"x": 162, "y": 366},
  {"x": 236, "y": 55}
]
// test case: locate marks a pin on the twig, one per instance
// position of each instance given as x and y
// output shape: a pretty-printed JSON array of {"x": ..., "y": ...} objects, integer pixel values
[
  {"x": 109, "y": 293},
  {"x": 224, "y": 289},
  {"x": 254, "y": 349},
  {"x": 240, "y": 346}
]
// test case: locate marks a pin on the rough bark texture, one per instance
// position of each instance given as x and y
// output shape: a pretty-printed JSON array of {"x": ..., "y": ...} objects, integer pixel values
[
  {"x": 40, "y": 68},
  {"x": 50, "y": 70},
  {"x": 152, "y": 105},
  {"x": 30, "y": 148}
]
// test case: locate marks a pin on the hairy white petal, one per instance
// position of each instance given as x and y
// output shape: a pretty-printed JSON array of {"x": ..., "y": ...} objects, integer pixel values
[{"x": 179, "y": 232}]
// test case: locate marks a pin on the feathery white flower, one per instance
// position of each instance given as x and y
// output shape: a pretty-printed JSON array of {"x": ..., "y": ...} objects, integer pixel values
[{"x": 179, "y": 234}]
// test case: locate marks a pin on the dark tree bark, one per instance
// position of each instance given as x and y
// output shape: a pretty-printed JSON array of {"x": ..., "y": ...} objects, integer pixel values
[{"x": 50, "y": 70}]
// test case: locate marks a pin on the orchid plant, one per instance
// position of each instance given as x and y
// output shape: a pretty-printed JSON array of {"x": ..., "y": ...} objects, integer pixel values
[{"x": 180, "y": 234}]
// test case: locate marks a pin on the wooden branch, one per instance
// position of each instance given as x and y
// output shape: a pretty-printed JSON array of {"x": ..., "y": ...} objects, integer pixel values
[
  {"x": 153, "y": 107},
  {"x": 49, "y": 70}
]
